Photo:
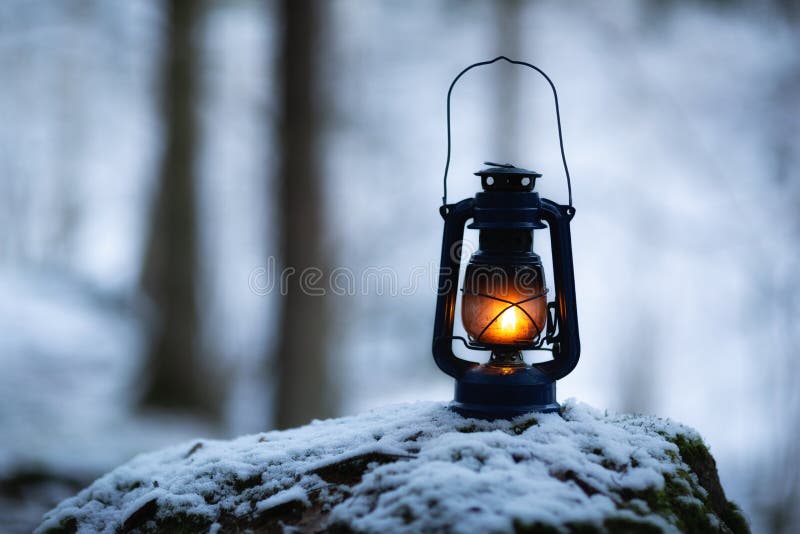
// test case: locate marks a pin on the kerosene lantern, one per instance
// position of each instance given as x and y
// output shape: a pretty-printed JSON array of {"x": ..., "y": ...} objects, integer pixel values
[{"x": 504, "y": 305}]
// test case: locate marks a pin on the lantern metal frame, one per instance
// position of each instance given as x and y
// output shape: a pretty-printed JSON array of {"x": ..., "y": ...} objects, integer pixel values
[{"x": 489, "y": 390}]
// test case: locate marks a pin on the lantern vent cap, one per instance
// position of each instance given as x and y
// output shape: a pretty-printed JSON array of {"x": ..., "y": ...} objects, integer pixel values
[
  {"x": 505, "y": 169},
  {"x": 506, "y": 177}
]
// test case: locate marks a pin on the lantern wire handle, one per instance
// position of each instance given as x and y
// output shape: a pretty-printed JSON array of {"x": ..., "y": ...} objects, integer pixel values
[{"x": 558, "y": 119}]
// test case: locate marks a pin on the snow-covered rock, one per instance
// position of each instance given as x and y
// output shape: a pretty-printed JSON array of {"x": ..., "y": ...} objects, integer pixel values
[{"x": 420, "y": 467}]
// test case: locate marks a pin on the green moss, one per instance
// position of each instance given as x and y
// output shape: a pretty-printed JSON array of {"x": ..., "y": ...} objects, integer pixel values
[
  {"x": 522, "y": 426},
  {"x": 696, "y": 455},
  {"x": 179, "y": 523},
  {"x": 673, "y": 504},
  {"x": 630, "y": 526},
  {"x": 681, "y": 501},
  {"x": 734, "y": 519},
  {"x": 615, "y": 524}
]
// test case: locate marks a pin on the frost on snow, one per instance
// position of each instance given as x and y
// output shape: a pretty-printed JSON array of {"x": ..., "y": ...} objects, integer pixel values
[{"x": 420, "y": 467}]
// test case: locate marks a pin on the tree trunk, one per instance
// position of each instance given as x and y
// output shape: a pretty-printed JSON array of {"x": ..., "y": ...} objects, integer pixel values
[
  {"x": 303, "y": 384},
  {"x": 505, "y": 122},
  {"x": 781, "y": 507},
  {"x": 175, "y": 377}
]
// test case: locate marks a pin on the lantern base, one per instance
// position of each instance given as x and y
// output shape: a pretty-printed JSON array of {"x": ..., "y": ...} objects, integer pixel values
[{"x": 492, "y": 392}]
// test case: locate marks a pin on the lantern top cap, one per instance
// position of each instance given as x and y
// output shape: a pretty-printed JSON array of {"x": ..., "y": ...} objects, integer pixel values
[{"x": 505, "y": 169}]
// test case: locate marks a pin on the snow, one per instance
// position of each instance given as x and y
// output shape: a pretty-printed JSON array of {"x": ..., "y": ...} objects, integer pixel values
[
  {"x": 69, "y": 358},
  {"x": 295, "y": 493},
  {"x": 467, "y": 474}
]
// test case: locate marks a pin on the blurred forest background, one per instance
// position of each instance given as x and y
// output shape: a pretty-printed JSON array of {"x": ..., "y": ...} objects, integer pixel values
[{"x": 154, "y": 154}]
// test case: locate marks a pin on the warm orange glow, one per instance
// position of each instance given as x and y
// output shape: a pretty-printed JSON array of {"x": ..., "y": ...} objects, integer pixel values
[
  {"x": 496, "y": 313},
  {"x": 508, "y": 321}
]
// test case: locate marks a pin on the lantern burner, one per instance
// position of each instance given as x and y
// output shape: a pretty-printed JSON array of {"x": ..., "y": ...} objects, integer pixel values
[{"x": 507, "y": 359}]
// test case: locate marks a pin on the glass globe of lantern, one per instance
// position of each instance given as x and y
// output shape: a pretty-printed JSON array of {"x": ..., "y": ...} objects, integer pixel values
[{"x": 504, "y": 304}]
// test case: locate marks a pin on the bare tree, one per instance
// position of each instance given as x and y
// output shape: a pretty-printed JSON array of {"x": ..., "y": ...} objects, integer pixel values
[
  {"x": 781, "y": 510},
  {"x": 507, "y": 98},
  {"x": 175, "y": 373},
  {"x": 304, "y": 388}
]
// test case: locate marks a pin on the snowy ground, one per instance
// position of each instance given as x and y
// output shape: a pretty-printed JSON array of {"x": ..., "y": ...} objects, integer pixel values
[
  {"x": 66, "y": 418},
  {"x": 410, "y": 468}
]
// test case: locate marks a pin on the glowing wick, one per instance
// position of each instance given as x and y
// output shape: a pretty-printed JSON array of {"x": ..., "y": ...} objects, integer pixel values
[{"x": 508, "y": 320}]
